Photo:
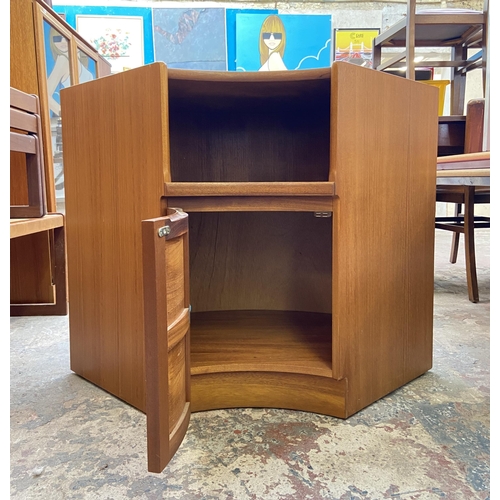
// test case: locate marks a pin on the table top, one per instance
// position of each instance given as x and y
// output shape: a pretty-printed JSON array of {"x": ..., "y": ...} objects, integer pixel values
[{"x": 472, "y": 169}]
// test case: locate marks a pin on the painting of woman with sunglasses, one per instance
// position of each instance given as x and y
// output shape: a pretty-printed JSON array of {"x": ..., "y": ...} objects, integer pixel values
[
  {"x": 59, "y": 75},
  {"x": 272, "y": 41}
]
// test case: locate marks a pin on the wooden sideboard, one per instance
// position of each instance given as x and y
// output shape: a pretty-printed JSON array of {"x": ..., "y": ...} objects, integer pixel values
[
  {"x": 288, "y": 243},
  {"x": 33, "y": 283}
]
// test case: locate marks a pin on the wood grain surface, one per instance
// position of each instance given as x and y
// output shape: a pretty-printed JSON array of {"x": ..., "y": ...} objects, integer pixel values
[{"x": 347, "y": 297}]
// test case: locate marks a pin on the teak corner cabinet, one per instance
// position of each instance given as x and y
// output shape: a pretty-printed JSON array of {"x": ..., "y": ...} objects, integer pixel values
[{"x": 249, "y": 239}]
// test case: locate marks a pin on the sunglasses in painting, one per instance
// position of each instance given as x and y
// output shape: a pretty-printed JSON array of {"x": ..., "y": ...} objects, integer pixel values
[
  {"x": 57, "y": 38},
  {"x": 267, "y": 36}
]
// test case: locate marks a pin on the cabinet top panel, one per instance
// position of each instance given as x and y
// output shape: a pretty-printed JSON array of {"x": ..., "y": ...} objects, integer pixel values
[
  {"x": 249, "y": 76},
  {"x": 247, "y": 84}
]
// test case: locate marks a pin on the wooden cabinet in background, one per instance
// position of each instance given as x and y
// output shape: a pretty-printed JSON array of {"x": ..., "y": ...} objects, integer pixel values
[
  {"x": 46, "y": 54},
  {"x": 287, "y": 252}
]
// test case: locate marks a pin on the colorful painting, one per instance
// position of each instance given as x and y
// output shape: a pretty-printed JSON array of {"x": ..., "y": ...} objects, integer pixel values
[
  {"x": 231, "y": 32},
  {"x": 355, "y": 46},
  {"x": 282, "y": 42},
  {"x": 132, "y": 43},
  {"x": 118, "y": 39},
  {"x": 190, "y": 38},
  {"x": 57, "y": 64}
]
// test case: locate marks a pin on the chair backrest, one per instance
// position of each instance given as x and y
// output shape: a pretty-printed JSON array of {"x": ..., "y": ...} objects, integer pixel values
[
  {"x": 474, "y": 126},
  {"x": 25, "y": 137}
]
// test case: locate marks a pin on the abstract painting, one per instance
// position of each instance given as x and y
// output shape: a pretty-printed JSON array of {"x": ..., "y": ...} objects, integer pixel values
[{"x": 190, "y": 38}]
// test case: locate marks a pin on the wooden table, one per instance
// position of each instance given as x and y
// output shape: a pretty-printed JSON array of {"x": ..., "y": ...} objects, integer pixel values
[{"x": 471, "y": 169}]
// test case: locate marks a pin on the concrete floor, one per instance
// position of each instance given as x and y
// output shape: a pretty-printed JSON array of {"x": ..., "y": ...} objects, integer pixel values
[{"x": 427, "y": 440}]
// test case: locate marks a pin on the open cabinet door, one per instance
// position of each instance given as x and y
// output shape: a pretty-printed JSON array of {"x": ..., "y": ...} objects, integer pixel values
[{"x": 165, "y": 255}]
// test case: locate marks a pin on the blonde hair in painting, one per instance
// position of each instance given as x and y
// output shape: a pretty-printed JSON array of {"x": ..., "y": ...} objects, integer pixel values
[
  {"x": 271, "y": 24},
  {"x": 55, "y": 35}
]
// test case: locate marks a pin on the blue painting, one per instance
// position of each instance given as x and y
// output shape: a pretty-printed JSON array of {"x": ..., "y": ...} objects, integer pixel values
[
  {"x": 282, "y": 42},
  {"x": 58, "y": 66},
  {"x": 190, "y": 38},
  {"x": 231, "y": 31}
]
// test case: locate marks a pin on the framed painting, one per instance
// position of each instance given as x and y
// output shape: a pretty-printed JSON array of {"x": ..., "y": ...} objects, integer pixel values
[
  {"x": 118, "y": 39},
  {"x": 231, "y": 32},
  {"x": 190, "y": 38},
  {"x": 122, "y": 35},
  {"x": 66, "y": 60},
  {"x": 355, "y": 45},
  {"x": 282, "y": 42}
]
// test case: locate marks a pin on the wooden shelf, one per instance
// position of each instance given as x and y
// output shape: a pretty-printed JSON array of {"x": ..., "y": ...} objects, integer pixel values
[
  {"x": 436, "y": 29},
  {"x": 23, "y": 227},
  {"x": 254, "y": 196},
  {"x": 241, "y": 131},
  {"x": 457, "y": 30},
  {"x": 272, "y": 341},
  {"x": 250, "y": 189}
]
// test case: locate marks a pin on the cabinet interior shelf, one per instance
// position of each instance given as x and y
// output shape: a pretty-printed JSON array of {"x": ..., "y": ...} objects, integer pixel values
[
  {"x": 272, "y": 341},
  {"x": 23, "y": 227},
  {"x": 249, "y": 188},
  {"x": 251, "y": 196}
]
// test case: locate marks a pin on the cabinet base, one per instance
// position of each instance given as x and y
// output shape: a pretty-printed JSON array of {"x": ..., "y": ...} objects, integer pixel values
[{"x": 269, "y": 390}]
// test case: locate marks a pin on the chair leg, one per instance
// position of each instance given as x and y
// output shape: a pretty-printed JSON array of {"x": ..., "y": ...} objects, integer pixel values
[
  {"x": 456, "y": 237},
  {"x": 470, "y": 254}
]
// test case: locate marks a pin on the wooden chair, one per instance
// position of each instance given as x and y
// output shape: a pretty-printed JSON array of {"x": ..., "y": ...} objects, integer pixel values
[
  {"x": 32, "y": 217},
  {"x": 464, "y": 175},
  {"x": 464, "y": 180},
  {"x": 25, "y": 130}
]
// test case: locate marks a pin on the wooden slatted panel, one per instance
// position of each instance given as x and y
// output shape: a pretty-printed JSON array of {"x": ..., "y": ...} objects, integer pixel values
[
  {"x": 24, "y": 101},
  {"x": 23, "y": 121},
  {"x": 22, "y": 143}
]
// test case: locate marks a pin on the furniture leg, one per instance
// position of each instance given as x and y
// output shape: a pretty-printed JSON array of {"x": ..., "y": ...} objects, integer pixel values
[
  {"x": 470, "y": 255},
  {"x": 458, "y": 80},
  {"x": 456, "y": 237}
]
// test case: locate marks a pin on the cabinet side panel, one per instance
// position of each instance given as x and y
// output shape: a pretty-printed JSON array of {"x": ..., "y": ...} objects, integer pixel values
[
  {"x": 421, "y": 232},
  {"x": 115, "y": 153},
  {"x": 383, "y": 163}
]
